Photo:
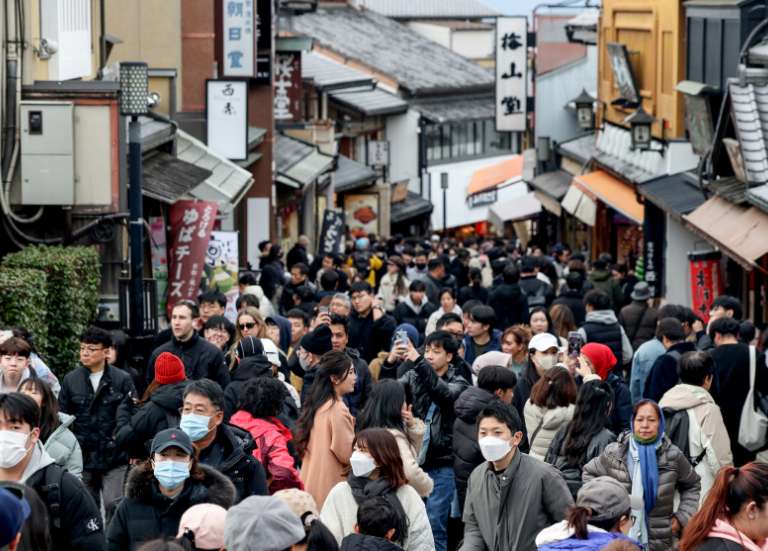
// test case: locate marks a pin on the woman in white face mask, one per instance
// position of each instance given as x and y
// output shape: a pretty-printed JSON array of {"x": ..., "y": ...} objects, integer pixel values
[
  {"x": 377, "y": 470},
  {"x": 159, "y": 490}
]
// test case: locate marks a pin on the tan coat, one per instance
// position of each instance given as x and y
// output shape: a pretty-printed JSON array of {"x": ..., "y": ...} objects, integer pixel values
[
  {"x": 409, "y": 444},
  {"x": 330, "y": 447}
]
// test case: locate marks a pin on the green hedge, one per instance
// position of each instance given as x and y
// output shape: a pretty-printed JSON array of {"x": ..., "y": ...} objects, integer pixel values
[
  {"x": 69, "y": 295},
  {"x": 23, "y": 296}
]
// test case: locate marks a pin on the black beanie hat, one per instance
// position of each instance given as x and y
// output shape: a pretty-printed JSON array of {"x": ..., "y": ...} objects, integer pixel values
[
  {"x": 249, "y": 346},
  {"x": 318, "y": 341}
]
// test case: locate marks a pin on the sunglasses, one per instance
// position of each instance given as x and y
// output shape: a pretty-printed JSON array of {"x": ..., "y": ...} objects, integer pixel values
[{"x": 249, "y": 325}]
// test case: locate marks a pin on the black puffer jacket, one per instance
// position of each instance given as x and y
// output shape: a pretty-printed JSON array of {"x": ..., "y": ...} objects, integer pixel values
[
  {"x": 574, "y": 300},
  {"x": 525, "y": 383},
  {"x": 158, "y": 413},
  {"x": 231, "y": 453},
  {"x": 466, "y": 452},
  {"x": 572, "y": 472},
  {"x": 248, "y": 368},
  {"x": 145, "y": 514},
  {"x": 510, "y": 304},
  {"x": 639, "y": 322},
  {"x": 370, "y": 336},
  {"x": 360, "y": 542},
  {"x": 427, "y": 388},
  {"x": 98, "y": 414},
  {"x": 202, "y": 360}
]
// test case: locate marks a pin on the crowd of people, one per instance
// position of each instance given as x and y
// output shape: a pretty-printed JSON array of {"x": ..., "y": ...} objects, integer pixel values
[{"x": 408, "y": 394}]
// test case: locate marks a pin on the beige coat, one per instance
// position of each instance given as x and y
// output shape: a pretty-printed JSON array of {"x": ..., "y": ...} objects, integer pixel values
[
  {"x": 553, "y": 421},
  {"x": 410, "y": 445},
  {"x": 330, "y": 447}
]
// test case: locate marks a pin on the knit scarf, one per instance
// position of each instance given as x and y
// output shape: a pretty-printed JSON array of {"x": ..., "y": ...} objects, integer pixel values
[{"x": 364, "y": 488}]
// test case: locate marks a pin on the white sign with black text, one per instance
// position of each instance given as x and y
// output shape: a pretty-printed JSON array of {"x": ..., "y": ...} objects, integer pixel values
[
  {"x": 239, "y": 38},
  {"x": 511, "y": 74},
  {"x": 378, "y": 153},
  {"x": 226, "y": 107}
]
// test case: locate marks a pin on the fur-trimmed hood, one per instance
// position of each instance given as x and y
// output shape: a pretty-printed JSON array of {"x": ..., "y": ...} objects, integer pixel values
[{"x": 213, "y": 488}]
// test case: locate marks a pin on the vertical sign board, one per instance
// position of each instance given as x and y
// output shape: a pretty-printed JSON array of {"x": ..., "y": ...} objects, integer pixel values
[
  {"x": 511, "y": 74},
  {"x": 332, "y": 234},
  {"x": 706, "y": 282},
  {"x": 221, "y": 269},
  {"x": 378, "y": 153},
  {"x": 159, "y": 254},
  {"x": 264, "y": 30},
  {"x": 288, "y": 88},
  {"x": 654, "y": 239},
  {"x": 239, "y": 36},
  {"x": 226, "y": 108}
]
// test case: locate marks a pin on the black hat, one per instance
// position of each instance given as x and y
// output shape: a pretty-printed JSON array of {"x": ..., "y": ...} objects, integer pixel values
[
  {"x": 249, "y": 346},
  {"x": 318, "y": 341},
  {"x": 172, "y": 438}
]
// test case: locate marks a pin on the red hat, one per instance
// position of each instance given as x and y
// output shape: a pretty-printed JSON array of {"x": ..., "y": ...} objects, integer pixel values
[
  {"x": 169, "y": 369},
  {"x": 602, "y": 358}
]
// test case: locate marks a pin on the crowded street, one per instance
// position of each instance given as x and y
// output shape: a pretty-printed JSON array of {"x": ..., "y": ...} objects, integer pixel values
[{"x": 384, "y": 275}]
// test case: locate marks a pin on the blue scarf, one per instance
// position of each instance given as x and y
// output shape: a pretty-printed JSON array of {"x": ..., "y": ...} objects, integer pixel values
[{"x": 649, "y": 467}]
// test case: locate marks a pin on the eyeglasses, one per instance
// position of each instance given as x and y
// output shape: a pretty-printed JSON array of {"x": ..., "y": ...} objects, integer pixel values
[
  {"x": 90, "y": 349},
  {"x": 249, "y": 325}
]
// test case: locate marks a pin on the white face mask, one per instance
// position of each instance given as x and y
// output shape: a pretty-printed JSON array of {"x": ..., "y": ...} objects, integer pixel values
[
  {"x": 547, "y": 362},
  {"x": 303, "y": 360},
  {"x": 494, "y": 448},
  {"x": 362, "y": 464},
  {"x": 13, "y": 448}
]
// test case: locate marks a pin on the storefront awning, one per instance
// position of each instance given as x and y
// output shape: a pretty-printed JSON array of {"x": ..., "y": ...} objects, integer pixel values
[
  {"x": 413, "y": 206},
  {"x": 676, "y": 195},
  {"x": 351, "y": 175},
  {"x": 492, "y": 176},
  {"x": 299, "y": 163},
  {"x": 611, "y": 191},
  {"x": 580, "y": 205},
  {"x": 739, "y": 231},
  {"x": 370, "y": 103},
  {"x": 555, "y": 183},
  {"x": 519, "y": 208},
  {"x": 168, "y": 179}
]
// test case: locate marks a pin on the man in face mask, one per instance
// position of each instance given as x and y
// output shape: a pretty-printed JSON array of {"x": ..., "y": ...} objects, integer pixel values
[
  {"x": 74, "y": 520},
  {"x": 498, "y": 485},
  {"x": 221, "y": 446},
  {"x": 543, "y": 353}
]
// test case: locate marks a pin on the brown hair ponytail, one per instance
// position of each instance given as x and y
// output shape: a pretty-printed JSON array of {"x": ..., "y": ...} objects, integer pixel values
[{"x": 578, "y": 518}]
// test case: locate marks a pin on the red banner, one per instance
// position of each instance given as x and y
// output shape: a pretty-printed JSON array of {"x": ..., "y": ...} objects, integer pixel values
[
  {"x": 191, "y": 226},
  {"x": 706, "y": 284}
]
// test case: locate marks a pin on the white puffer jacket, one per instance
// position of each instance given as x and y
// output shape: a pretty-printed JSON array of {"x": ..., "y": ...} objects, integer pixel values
[{"x": 550, "y": 420}]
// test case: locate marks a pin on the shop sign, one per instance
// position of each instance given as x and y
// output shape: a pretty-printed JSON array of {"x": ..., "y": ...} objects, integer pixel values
[
  {"x": 239, "y": 48},
  {"x": 378, "y": 153},
  {"x": 221, "y": 269},
  {"x": 191, "y": 225},
  {"x": 706, "y": 282},
  {"x": 226, "y": 113},
  {"x": 482, "y": 199},
  {"x": 332, "y": 234},
  {"x": 264, "y": 26},
  {"x": 511, "y": 74},
  {"x": 288, "y": 89},
  {"x": 159, "y": 255},
  {"x": 362, "y": 213},
  {"x": 654, "y": 229},
  {"x": 622, "y": 72}
]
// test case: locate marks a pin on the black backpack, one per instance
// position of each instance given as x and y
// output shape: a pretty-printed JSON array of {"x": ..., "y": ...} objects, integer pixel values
[{"x": 676, "y": 428}]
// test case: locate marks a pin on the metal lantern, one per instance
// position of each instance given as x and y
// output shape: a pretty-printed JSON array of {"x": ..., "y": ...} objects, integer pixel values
[
  {"x": 640, "y": 127},
  {"x": 585, "y": 110},
  {"x": 134, "y": 88}
]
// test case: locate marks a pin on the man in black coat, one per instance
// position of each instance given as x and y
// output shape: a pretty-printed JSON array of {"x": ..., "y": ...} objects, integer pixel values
[
  {"x": 364, "y": 384},
  {"x": 202, "y": 360},
  {"x": 226, "y": 448},
  {"x": 100, "y": 397},
  {"x": 508, "y": 300},
  {"x": 664, "y": 372},
  {"x": 370, "y": 328},
  {"x": 298, "y": 253},
  {"x": 415, "y": 309},
  {"x": 539, "y": 293},
  {"x": 298, "y": 283},
  {"x": 572, "y": 296}
]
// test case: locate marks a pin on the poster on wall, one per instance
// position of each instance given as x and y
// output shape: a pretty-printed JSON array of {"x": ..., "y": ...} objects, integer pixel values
[
  {"x": 220, "y": 271},
  {"x": 706, "y": 282},
  {"x": 191, "y": 225},
  {"x": 511, "y": 74},
  {"x": 159, "y": 253},
  {"x": 362, "y": 213}
]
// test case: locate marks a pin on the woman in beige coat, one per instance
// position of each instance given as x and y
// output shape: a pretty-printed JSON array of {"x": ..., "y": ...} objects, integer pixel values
[
  {"x": 549, "y": 408},
  {"x": 325, "y": 430},
  {"x": 386, "y": 408}
]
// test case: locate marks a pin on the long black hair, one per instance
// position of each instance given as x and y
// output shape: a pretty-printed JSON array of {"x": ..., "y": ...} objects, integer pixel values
[
  {"x": 332, "y": 364},
  {"x": 49, "y": 406},
  {"x": 384, "y": 407},
  {"x": 594, "y": 404}
]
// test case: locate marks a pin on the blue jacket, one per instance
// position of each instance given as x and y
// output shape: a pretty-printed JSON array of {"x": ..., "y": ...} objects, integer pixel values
[
  {"x": 641, "y": 366},
  {"x": 469, "y": 346},
  {"x": 594, "y": 542}
]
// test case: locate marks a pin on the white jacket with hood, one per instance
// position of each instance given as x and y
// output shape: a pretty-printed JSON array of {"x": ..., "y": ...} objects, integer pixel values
[
  {"x": 706, "y": 430},
  {"x": 550, "y": 420}
]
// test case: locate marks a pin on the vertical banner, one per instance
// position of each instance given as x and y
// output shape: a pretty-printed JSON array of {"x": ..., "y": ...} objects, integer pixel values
[
  {"x": 159, "y": 252},
  {"x": 288, "y": 87},
  {"x": 226, "y": 114},
  {"x": 221, "y": 272},
  {"x": 264, "y": 31},
  {"x": 332, "y": 234},
  {"x": 511, "y": 74},
  {"x": 654, "y": 231},
  {"x": 191, "y": 225},
  {"x": 239, "y": 37},
  {"x": 706, "y": 282}
]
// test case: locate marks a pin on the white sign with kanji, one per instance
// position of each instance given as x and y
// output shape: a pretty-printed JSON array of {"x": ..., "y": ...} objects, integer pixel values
[
  {"x": 378, "y": 153},
  {"x": 511, "y": 74},
  {"x": 226, "y": 106},
  {"x": 239, "y": 38}
]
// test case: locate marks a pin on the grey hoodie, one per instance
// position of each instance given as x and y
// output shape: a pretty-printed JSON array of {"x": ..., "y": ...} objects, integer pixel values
[
  {"x": 608, "y": 317},
  {"x": 416, "y": 307},
  {"x": 40, "y": 460}
]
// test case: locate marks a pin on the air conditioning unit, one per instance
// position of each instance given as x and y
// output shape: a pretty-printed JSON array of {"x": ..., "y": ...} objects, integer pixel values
[{"x": 66, "y": 38}]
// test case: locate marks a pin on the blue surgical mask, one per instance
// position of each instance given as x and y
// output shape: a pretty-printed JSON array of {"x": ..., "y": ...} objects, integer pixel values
[
  {"x": 196, "y": 426},
  {"x": 170, "y": 474}
]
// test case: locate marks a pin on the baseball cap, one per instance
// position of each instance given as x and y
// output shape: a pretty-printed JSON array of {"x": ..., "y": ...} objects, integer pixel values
[
  {"x": 271, "y": 351},
  {"x": 543, "y": 342},
  {"x": 301, "y": 503},
  {"x": 206, "y": 522},
  {"x": 262, "y": 523},
  {"x": 14, "y": 510},
  {"x": 605, "y": 496},
  {"x": 172, "y": 438}
]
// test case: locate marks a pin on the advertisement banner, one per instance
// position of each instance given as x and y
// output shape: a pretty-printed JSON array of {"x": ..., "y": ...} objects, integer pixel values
[
  {"x": 511, "y": 74},
  {"x": 191, "y": 225},
  {"x": 220, "y": 272},
  {"x": 362, "y": 213},
  {"x": 159, "y": 252},
  {"x": 706, "y": 282},
  {"x": 332, "y": 234}
]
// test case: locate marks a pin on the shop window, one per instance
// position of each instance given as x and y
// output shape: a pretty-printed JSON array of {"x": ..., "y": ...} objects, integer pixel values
[{"x": 466, "y": 140}]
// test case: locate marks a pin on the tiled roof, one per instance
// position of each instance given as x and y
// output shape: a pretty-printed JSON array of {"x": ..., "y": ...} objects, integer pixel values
[
  {"x": 370, "y": 102},
  {"x": 749, "y": 109},
  {"x": 430, "y": 9},
  {"x": 352, "y": 175},
  {"x": 417, "y": 64},
  {"x": 455, "y": 109},
  {"x": 677, "y": 194},
  {"x": 329, "y": 74},
  {"x": 414, "y": 205}
]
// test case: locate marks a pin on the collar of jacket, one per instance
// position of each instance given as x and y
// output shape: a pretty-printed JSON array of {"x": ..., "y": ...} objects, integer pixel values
[
  {"x": 215, "y": 488},
  {"x": 508, "y": 475},
  {"x": 105, "y": 378},
  {"x": 232, "y": 445},
  {"x": 189, "y": 343}
]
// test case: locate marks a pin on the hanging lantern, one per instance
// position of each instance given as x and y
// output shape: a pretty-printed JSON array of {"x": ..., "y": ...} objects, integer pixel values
[
  {"x": 640, "y": 127},
  {"x": 585, "y": 110}
]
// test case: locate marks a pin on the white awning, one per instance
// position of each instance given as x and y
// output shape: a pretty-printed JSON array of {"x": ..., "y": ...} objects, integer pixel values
[
  {"x": 519, "y": 208},
  {"x": 309, "y": 168},
  {"x": 580, "y": 205},
  {"x": 549, "y": 203}
]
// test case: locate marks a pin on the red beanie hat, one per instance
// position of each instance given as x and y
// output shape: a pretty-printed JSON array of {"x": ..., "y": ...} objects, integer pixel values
[
  {"x": 169, "y": 369},
  {"x": 602, "y": 358}
]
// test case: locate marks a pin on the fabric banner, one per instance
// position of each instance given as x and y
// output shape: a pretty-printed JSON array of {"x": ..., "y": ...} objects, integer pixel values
[
  {"x": 159, "y": 252},
  {"x": 654, "y": 231},
  {"x": 221, "y": 271},
  {"x": 706, "y": 282},
  {"x": 332, "y": 234},
  {"x": 191, "y": 225}
]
